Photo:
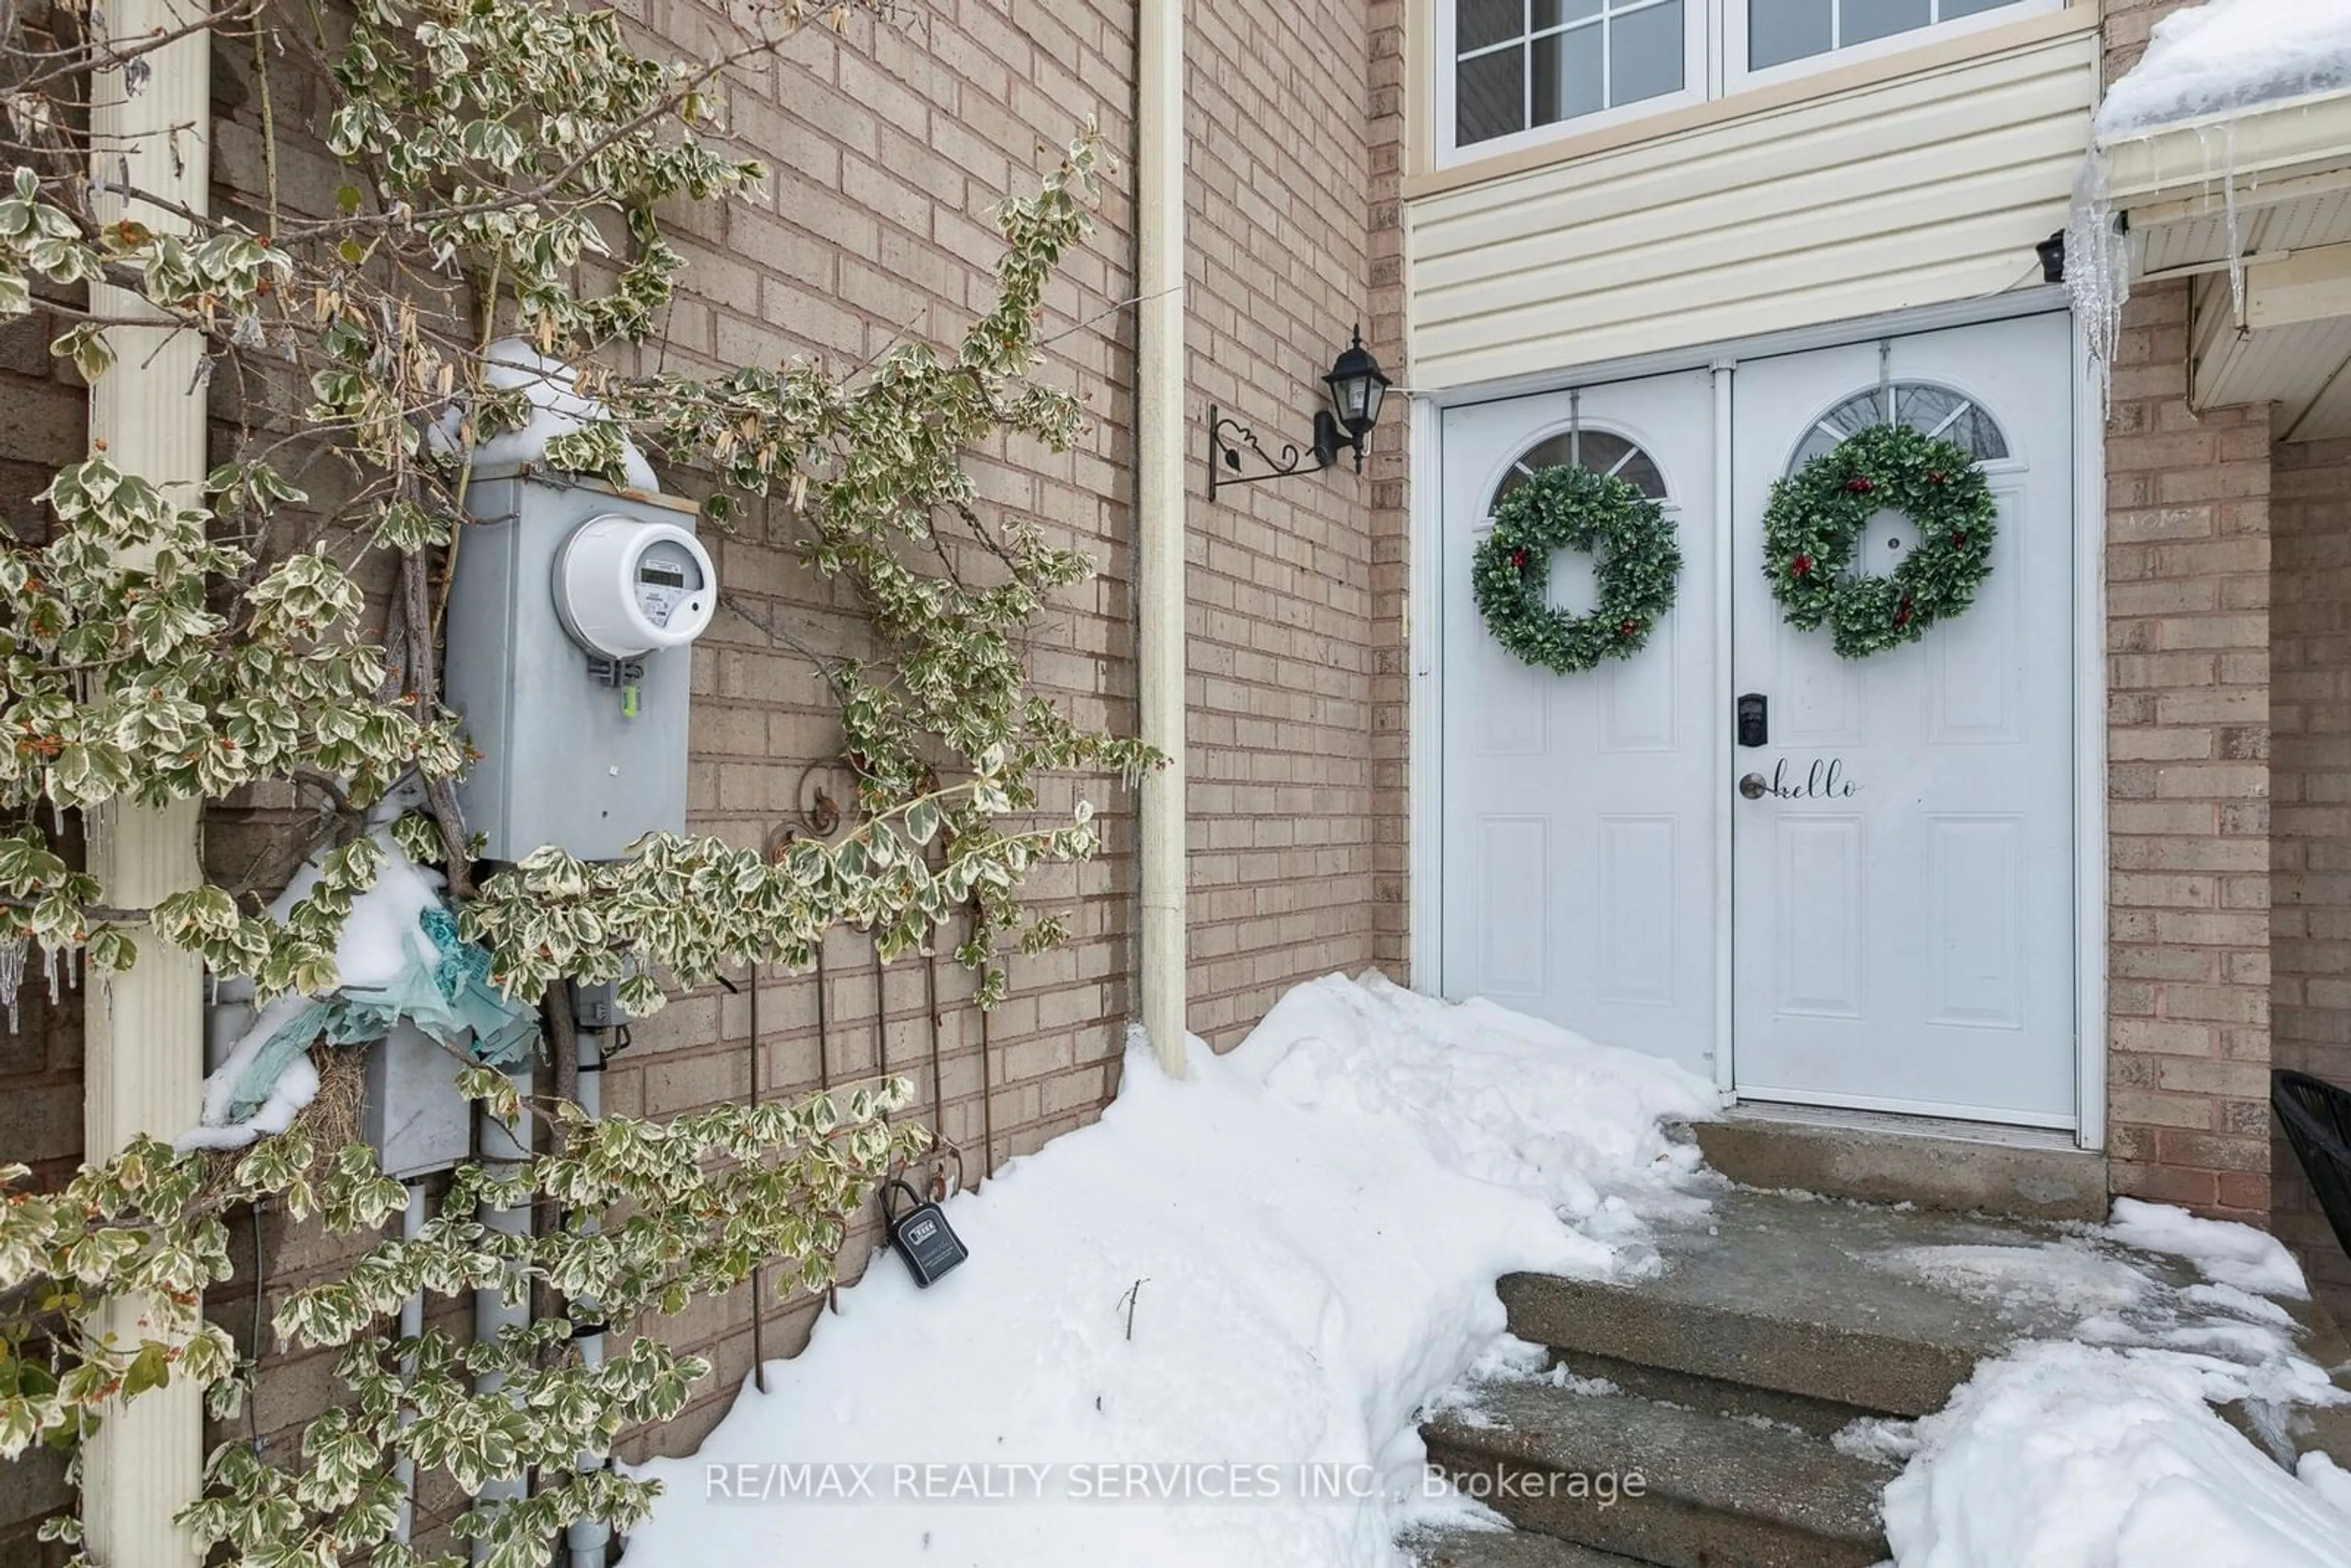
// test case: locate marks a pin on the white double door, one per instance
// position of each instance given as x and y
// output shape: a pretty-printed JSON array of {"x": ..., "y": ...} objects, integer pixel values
[{"x": 1885, "y": 918}]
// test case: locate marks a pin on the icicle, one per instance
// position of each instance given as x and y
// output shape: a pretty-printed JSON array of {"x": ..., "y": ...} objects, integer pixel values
[
  {"x": 2229, "y": 202},
  {"x": 2097, "y": 266},
  {"x": 12, "y": 975},
  {"x": 49, "y": 970}
]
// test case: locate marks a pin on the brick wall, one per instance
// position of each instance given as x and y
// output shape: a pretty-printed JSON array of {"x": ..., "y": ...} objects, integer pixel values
[
  {"x": 2188, "y": 778},
  {"x": 889, "y": 143},
  {"x": 2310, "y": 850},
  {"x": 41, "y": 423},
  {"x": 2188, "y": 759},
  {"x": 1285, "y": 624}
]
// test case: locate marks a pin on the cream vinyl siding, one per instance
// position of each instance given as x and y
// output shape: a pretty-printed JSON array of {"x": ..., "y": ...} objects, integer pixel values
[{"x": 1917, "y": 191}]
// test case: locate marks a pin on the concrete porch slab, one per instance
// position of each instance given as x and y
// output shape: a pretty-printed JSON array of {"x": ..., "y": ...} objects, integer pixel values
[
  {"x": 1959, "y": 1166},
  {"x": 1845, "y": 1304}
]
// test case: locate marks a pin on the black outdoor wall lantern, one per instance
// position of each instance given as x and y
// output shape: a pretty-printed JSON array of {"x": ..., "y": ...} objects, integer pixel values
[{"x": 1357, "y": 386}]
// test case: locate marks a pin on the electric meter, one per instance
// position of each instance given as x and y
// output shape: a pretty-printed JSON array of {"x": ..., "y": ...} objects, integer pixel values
[
  {"x": 626, "y": 587},
  {"x": 569, "y": 624}
]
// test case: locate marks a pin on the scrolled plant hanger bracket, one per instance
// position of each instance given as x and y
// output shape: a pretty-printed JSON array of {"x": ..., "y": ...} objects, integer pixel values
[{"x": 1228, "y": 437}]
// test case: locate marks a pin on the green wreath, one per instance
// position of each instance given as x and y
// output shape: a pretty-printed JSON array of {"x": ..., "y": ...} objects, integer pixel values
[
  {"x": 1812, "y": 527},
  {"x": 1636, "y": 564}
]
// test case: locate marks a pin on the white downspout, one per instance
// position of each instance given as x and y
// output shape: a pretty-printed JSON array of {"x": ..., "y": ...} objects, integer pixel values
[
  {"x": 145, "y": 1028},
  {"x": 590, "y": 1541},
  {"x": 1159, "y": 510},
  {"x": 505, "y": 1148},
  {"x": 412, "y": 1324}
]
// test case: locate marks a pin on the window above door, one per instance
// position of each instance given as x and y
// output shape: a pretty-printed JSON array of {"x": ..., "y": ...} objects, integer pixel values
[
  {"x": 1927, "y": 408},
  {"x": 1600, "y": 450},
  {"x": 1516, "y": 73}
]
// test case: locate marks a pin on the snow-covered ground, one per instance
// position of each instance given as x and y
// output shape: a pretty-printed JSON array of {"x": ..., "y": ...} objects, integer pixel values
[
  {"x": 1200, "y": 1333},
  {"x": 1305, "y": 1237},
  {"x": 2103, "y": 1450},
  {"x": 2065, "y": 1455}
]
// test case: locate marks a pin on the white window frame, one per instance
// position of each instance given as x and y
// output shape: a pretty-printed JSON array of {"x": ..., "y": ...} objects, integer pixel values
[
  {"x": 1714, "y": 54},
  {"x": 1736, "y": 76},
  {"x": 1694, "y": 31}
]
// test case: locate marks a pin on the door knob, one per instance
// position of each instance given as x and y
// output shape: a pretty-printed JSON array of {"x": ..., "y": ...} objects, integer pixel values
[{"x": 1753, "y": 786}]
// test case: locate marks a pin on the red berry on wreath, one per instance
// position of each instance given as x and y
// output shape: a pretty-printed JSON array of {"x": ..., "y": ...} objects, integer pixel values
[
  {"x": 1519, "y": 559},
  {"x": 1801, "y": 565},
  {"x": 1627, "y": 626},
  {"x": 1958, "y": 536},
  {"x": 1902, "y": 612},
  {"x": 1860, "y": 485},
  {"x": 1934, "y": 475}
]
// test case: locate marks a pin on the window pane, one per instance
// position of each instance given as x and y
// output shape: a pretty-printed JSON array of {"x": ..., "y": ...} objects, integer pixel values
[
  {"x": 1603, "y": 450},
  {"x": 1642, "y": 473},
  {"x": 1489, "y": 96},
  {"x": 1931, "y": 410},
  {"x": 1956, "y": 9},
  {"x": 1600, "y": 450},
  {"x": 1567, "y": 75},
  {"x": 1779, "y": 31},
  {"x": 1477, "y": 23},
  {"x": 1645, "y": 53},
  {"x": 1552, "y": 12},
  {"x": 1868, "y": 19}
]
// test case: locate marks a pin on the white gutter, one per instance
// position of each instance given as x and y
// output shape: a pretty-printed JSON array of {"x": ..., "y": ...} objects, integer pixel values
[
  {"x": 1159, "y": 510},
  {"x": 2254, "y": 148},
  {"x": 145, "y": 1033}
]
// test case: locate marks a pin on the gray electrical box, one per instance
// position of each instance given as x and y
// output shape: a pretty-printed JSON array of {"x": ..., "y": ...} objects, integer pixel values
[
  {"x": 410, "y": 1110},
  {"x": 569, "y": 658}
]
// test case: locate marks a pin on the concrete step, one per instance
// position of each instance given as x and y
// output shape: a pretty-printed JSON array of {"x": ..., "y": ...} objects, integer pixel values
[
  {"x": 1957, "y": 1166},
  {"x": 1504, "y": 1549},
  {"x": 1774, "y": 1295},
  {"x": 1714, "y": 1396},
  {"x": 1711, "y": 1492}
]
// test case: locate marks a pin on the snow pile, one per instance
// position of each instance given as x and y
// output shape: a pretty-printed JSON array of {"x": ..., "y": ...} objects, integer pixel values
[
  {"x": 2234, "y": 1255},
  {"x": 2101, "y": 1450},
  {"x": 295, "y": 1086},
  {"x": 2071, "y": 1456},
  {"x": 2229, "y": 54},
  {"x": 557, "y": 408},
  {"x": 1250, "y": 1280},
  {"x": 381, "y": 936}
]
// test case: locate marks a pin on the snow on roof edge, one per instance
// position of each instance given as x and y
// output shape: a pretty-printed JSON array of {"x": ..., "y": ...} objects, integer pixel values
[
  {"x": 2218, "y": 118},
  {"x": 2217, "y": 60}
]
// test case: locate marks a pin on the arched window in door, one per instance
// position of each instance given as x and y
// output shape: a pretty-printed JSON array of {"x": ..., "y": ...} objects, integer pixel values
[
  {"x": 1923, "y": 406},
  {"x": 1598, "y": 450}
]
